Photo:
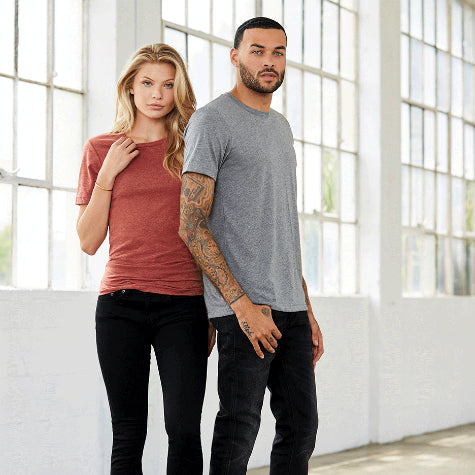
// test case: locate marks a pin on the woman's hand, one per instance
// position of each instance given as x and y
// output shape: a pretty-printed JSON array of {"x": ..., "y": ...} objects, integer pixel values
[
  {"x": 211, "y": 337},
  {"x": 120, "y": 154}
]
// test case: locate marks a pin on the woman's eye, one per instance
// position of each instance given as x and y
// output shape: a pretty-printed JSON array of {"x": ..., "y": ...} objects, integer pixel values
[
  {"x": 169, "y": 85},
  {"x": 147, "y": 83}
]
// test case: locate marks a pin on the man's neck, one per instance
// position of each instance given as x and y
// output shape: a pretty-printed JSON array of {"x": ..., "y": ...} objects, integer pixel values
[{"x": 256, "y": 100}]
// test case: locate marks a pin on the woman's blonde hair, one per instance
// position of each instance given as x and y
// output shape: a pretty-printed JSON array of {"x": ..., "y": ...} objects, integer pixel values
[{"x": 176, "y": 120}]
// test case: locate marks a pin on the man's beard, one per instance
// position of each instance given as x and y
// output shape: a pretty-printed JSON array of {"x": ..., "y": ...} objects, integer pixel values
[{"x": 253, "y": 83}]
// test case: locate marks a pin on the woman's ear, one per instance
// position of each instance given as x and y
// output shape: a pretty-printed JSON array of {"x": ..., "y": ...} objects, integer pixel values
[{"x": 131, "y": 91}]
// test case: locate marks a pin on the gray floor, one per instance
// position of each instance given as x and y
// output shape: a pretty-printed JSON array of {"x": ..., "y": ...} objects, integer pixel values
[{"x": 448, "y": 452}]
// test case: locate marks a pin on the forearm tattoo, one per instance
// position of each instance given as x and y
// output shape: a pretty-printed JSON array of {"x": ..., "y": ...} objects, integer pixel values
[{"x": 196, "y": 200}]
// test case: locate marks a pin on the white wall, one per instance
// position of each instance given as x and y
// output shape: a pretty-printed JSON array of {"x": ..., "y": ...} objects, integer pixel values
[{"x": 392, "y": 366}]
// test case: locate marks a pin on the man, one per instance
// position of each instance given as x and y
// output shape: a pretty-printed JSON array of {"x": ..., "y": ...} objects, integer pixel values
[{"x": 239, "y": 219}]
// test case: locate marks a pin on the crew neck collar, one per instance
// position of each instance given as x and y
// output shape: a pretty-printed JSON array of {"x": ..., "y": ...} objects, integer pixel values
[
  {"x": 148, "y": 144},
  {"x": 246, "y": 107}
]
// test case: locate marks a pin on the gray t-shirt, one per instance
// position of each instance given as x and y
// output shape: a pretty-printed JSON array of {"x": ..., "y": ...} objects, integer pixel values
[{"x": 254, "y": 220}]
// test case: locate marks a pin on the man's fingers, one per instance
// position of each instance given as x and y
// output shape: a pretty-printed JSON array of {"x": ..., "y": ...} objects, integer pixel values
[
  {"x": 257, "y": 348},
  {"x": 276, "y": 333},
  {"x": 265, "y": 343},
  {"x": 272, "y": 341}
]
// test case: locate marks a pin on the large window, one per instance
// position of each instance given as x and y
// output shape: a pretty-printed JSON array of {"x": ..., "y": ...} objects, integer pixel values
[
  {"x": 318, "y": 98},
  {"x": 437, "y": 152},
  {"x": 41, "y": 130}
]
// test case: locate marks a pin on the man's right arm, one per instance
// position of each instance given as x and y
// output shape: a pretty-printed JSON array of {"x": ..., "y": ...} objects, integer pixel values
[{"x": 196, "y": 200}]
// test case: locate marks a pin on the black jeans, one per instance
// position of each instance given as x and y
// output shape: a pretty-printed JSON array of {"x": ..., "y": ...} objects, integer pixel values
[
  {"x": 242, "y": 380},
  {"x": 128, "y": 324}
]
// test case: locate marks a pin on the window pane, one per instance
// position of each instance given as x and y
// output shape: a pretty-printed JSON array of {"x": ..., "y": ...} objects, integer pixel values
[
  {"x": 5, "y": 235},
  {"x": 412, "y": 250},
  {"x": 442, "y": 34},
  {"x": 222, "y": 19},
  {"x": 348, "y": 259},
  {"x": 429, "y": 139},
  {"x": 405, "y": 187},
  {"x": 457, "y": 28},
  {"x": 32, "y": 256},
  {"x": 405, "y": 16},
  {"x": 67, "y": 140},
  {"x": 245, "y": 9},
  {"x": 277, "y": 97},
  {"x": 330, "y": 182},
  {"x": 330, "y": 110},
  {"x": 7, "y": 37},
  {"x": 330, "y": 257},
  {"x": 471, "y": 268},
  {"x": 348, "y": 116},
  {"x": 470, "y": 206},
  {"x": 293, "y": 28},
  {"x": 429, "y": 21},
  {"x": 429, "y": 75},
  {"x": 68, "y": 43},
  {"x": 416, "y": 70},
  {"x": 198, "y": 15},
  {"x": 198, "y": 68},
  {"x": 312, "y": 107},
  {"x": 6, "y": 123},
  {"x": 66, "y": 248},
  {"x": 177, "y": 40},
  {"x": 330, "y": 37},
  {"x": 312, "y": 33},
  {"x": 416, "y": 136},
  {"x": 428, "y": 265},
  {"x": 174, "y": 11},
  {"x": 457, "y": 147},
  {"x": 293, "y": 81},
  {"x": 458, "y": 196},
  {"x": 429, "y": 200},
  {"x": 468, "y": 83},
  {"x": 443, "y": 262},
  {"x": 468, "y": 33},
  {"x": 443, "y": 87},
  {"x": 458, "y": 251},
  {"x": 442, "y": 202},
  {"x": 272, "y": 9},
  {"x": 222, "y": 70},
  {"x": 404, "y": 66},
  {"x": 347, "y": 187},
  {"x": 32, "y": 47},
  {"x": 469, "y": 152},
  {"x": 442, "y": 143},
  {"x": 299, "y": 172},
  {"x": 312, "y": 178},
  {"x": 312, "y": 255},
  {"x": 31, "y": 130},
  {"x": 405, "y": 133},
  {"x": 347, "y": 45},
  {"x": 415, "y": 17},
  {"x": 457, "y": 87},
  {"x": 417, "y": 216}
]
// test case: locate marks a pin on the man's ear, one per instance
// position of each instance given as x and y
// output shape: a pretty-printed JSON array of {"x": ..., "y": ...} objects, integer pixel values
[{"x": 234, "y": 53}]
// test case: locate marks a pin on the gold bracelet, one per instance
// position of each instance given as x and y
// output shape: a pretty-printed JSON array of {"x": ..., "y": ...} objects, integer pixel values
[{"x": 105, "y": 189}]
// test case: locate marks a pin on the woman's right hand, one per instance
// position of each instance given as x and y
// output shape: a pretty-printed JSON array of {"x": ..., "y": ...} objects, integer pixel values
[{"x": 120, "y": 154}]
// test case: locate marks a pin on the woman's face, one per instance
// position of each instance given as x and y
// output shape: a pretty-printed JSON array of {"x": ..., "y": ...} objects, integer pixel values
[{"x": 152, "y": 90}]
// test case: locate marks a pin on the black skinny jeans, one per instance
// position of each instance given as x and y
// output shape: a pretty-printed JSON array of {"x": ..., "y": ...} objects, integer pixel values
[
  {"x": 128, "y": 324},
  {"x": 242, "y": 380}
]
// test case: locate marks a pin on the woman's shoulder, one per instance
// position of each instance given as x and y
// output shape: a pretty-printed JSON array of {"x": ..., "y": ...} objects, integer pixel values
[{"x": 101, "y": 143}]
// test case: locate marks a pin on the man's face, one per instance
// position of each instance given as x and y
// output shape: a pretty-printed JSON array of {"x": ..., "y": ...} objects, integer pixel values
[{"x": 261, "y": 59}]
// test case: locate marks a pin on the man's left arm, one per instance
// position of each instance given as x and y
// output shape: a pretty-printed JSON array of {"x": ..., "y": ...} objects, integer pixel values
[{"x": 317, "y": 338}]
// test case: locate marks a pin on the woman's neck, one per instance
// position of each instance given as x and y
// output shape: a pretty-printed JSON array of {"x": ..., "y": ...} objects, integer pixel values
[{"x": 146, "y": 130}]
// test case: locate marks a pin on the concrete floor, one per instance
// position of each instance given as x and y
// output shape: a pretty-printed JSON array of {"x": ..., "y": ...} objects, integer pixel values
[{"x": 448, "y": 452}]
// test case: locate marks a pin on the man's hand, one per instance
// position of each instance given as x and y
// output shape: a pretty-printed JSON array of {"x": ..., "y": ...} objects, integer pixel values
[
  {"x": 317, "y": 339},
  {"x": 211, "y": 337},
  {"x": 257, "y": 324}
]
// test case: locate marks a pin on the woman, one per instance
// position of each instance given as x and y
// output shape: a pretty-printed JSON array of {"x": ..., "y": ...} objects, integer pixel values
[{"x": 151, "y": 292}]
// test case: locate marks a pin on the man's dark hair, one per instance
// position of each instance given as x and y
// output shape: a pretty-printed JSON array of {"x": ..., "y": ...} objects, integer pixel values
[{"x": 258, "y": 22}]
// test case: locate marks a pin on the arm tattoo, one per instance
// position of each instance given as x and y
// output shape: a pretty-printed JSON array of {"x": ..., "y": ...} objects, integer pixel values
[
  {"x": 265, "y": 311},
  {"x": 304, "y": 285},
  {"x": 197, "y": 192}
]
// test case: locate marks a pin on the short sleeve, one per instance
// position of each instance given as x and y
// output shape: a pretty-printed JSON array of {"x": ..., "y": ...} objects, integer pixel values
[
  {"x": 206, "y": 143},
  {"x": 90, "y": 166}
]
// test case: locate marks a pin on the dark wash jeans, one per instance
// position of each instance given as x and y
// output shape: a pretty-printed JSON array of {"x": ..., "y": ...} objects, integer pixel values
[
  {"x": 242, "y": 380},
  {"x": 128, "y": 324}
]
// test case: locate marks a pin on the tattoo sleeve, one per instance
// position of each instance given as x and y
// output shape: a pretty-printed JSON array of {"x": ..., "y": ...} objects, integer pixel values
[{"x": 197, "y": 192}]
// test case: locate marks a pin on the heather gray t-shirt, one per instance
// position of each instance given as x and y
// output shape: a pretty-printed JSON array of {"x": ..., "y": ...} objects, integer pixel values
[{"x": 254, "y": 220}]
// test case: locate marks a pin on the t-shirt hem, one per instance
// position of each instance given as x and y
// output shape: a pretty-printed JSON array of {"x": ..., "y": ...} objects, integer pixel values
[
  {"x": 225, "y": 313},
  {"x": 154, "y": 290}
]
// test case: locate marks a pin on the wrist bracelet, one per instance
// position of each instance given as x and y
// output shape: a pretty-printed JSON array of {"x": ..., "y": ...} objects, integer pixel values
[{"x": 105, "y": 189}]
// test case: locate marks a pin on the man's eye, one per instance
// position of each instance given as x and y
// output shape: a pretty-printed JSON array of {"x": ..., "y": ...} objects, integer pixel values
[
  {"x": 257, "y": 51},
  {"x": 278, "y": 53}
]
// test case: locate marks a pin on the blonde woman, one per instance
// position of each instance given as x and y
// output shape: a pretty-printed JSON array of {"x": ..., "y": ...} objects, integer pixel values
[{"x": 151, "y": 291}]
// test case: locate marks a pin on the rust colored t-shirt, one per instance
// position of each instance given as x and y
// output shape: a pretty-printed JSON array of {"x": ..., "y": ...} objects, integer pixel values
[{"x": 146, "y": 253}]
